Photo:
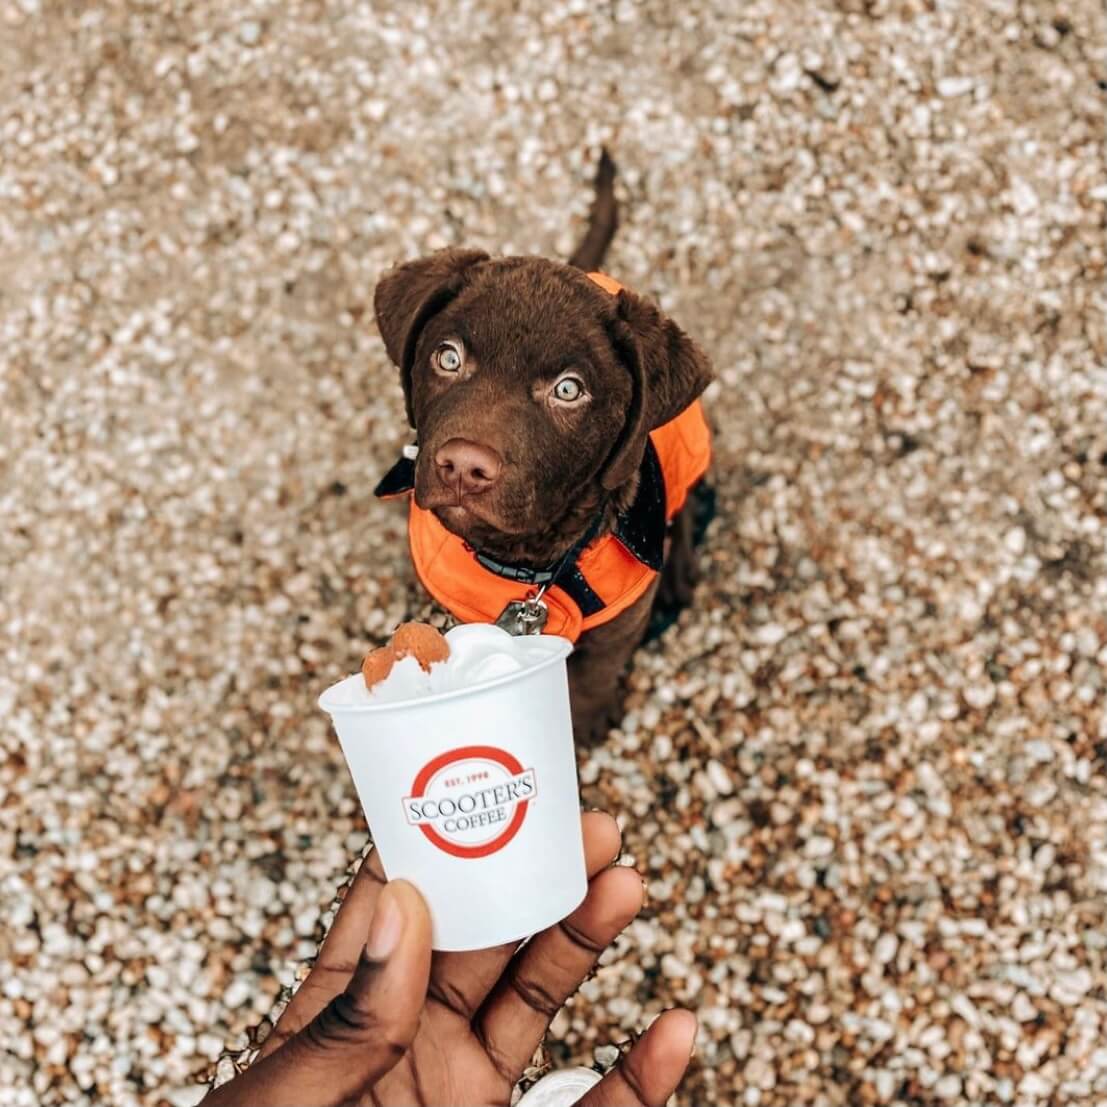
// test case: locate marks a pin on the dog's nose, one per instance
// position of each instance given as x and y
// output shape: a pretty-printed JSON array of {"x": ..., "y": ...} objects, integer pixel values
[{"x": 471, "y": 467}]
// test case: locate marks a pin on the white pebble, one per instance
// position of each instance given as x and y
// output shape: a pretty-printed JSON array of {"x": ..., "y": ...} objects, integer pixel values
[
  {"x": 954, "y": 86},
  {"x": 1015, "y": 541},
  {"x": 239, "y": 993},
  {"x": 949, "y": 1087},
  {"x": 720, "y": 778},
  {"x": 819, "y": 846},
  {"x": 885, "y": 948}
]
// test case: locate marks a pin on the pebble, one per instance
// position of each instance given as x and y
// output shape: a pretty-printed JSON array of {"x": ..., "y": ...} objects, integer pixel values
[
  {"x": 955, "y": 86},
  {"x": 964, "y": 1008},
  {"x": 948, "y": 1087},
  {"x": 306, "y": 922},
  {"x": 606, "y": 1056},
  {"x": 885, "y": 948},
  {"x": 1015, "y": 540},
  {"x": 239, "y": 993},
  {"x": 1022, "y": 1009},
  {"x": 719, "y": 777}
]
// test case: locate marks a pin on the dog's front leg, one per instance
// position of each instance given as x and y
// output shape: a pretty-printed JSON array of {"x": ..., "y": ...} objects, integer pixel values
[{"x": 596, "y": 668}]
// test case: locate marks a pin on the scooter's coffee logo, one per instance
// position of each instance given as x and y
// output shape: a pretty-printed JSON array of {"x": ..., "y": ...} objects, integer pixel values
[{"x": 471, "y": 802}]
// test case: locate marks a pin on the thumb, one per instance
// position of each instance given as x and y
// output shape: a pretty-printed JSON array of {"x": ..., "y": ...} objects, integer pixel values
[
  {"x": 365, "y": 1030},
  {"x": 651, "y": 1071}
]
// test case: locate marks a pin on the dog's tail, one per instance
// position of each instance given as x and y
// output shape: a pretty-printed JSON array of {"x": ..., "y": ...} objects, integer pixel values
[{"x": 603, "y": 219}]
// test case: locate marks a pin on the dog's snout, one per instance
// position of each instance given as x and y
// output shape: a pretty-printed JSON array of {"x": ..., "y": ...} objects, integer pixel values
[{"x": 468, "y": 466}]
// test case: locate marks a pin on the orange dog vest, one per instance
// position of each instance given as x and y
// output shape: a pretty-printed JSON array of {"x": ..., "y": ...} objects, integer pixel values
[{"x": 607, "y": 576}]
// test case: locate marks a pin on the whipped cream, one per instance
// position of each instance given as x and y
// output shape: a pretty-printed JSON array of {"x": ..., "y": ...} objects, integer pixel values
[{"x": 479, "y": 653}]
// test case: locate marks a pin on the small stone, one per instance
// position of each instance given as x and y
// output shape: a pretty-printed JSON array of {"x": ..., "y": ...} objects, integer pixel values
[
  {"x": 948, "y": 1087},
  {"x": 955, "y": 86},
  {"x": 885, "y": 949},
  {"x": 673, "y": 967},
  {"x": 239, "y": 993},
  {"x": 606, "y": 1056},
  {"x": 819, "y": 846},
  {"x": 770, "y": 635},
  {"x": 759, "y": 1073},
  {"x": 1034, "y": 1086},
  {"x": 1015, "y": 541},
  {"x": 1022, "y": 1009},
  {"x": 719, "y": 777},
  {"x": 305, "y": 922},
  {"x": 979, "y": 696},
  {"x": 963, "y": 1007},
  {"x": 1044, "y": 856}
]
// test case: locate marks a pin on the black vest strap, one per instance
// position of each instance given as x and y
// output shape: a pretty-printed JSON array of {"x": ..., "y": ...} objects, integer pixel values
[
  {"x": 580, "y": 592},
  {"x": 642, "y": 527},
  {"x": 399, "y": 479}
]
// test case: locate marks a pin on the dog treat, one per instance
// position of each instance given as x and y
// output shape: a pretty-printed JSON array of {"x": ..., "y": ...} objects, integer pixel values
[
  {"x": 421, "y": 641},
  {"x": 377, "y": 665}
]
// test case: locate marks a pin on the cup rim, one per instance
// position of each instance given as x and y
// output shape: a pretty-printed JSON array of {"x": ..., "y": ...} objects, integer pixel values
[{"x": 565, "y": 647}]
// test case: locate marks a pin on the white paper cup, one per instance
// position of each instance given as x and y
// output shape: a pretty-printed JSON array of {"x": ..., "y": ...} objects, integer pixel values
[{"x": 472, "y": 796}]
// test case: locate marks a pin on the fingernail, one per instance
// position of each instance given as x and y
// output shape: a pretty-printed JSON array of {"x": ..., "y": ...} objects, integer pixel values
[{"x": 386, "y": 927}]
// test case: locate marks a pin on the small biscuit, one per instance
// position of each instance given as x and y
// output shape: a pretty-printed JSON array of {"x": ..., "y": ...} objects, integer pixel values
[
  {"x": 377, "y": 665},
  {"x": 421, "y": 641}
]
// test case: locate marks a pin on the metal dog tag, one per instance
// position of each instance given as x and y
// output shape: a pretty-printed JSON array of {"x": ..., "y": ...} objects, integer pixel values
[{"x": 523, "y": 617}]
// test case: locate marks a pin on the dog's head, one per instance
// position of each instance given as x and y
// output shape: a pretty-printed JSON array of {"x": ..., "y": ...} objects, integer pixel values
[{"x": 531, "y": 388}]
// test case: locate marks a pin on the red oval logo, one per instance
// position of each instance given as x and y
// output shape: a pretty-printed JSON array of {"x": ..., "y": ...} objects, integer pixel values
[{"x": 470, "y": 802}]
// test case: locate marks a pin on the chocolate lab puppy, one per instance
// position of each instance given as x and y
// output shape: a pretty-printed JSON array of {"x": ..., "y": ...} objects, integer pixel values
[{"x": 559, "y": 436}]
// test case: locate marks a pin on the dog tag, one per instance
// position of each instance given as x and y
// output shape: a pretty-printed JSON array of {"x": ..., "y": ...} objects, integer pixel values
[{"x": 523, "y": 617}]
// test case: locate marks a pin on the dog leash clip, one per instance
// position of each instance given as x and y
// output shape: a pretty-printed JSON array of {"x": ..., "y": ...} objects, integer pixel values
[{"x": 523, "y": 617}]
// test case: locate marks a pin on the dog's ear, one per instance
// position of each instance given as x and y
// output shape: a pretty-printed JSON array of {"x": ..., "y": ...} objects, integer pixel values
[
  {"x": 667, "y": 369},
  {"x": 409, "y": 295}
]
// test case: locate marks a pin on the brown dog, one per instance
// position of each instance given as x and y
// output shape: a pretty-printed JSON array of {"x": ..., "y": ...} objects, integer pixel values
[{"x": 546, "y": 404}]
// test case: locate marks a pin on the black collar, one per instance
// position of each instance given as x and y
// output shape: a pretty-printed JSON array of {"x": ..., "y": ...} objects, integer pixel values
[{"x": 641, "y": 528}]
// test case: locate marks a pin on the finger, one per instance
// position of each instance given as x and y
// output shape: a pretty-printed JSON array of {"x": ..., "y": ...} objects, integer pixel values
[
  {"x": 462, "y": 981},
  {"x": 338, "y": 956},
  {"x": 550, "y": 968},
  {"x": 364, "y": 1030},
  {"x": 651, "y": 1071}
]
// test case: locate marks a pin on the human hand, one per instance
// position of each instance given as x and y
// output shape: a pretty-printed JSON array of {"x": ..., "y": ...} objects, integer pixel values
[{"x": 381, "y": 1020}]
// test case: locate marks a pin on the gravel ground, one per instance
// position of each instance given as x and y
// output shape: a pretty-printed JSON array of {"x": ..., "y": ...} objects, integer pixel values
[{"x": 866, "y": 776}]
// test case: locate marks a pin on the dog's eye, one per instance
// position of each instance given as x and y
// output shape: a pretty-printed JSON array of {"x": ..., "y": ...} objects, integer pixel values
[
  {"x": 447, "y": 358},
  {"x": 568, "y": 389}
]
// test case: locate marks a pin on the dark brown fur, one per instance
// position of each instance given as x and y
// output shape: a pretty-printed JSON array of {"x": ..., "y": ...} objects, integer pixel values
[{"x": 518, "y": 325}]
